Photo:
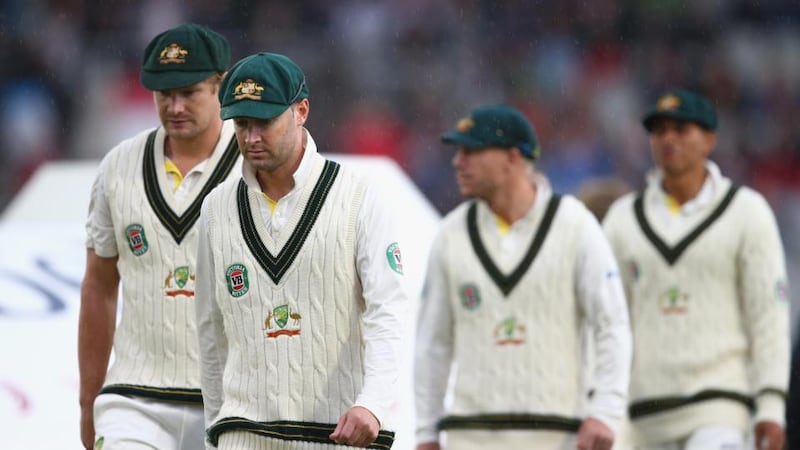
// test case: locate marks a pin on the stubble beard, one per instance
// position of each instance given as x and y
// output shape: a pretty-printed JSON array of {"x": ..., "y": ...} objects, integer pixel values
[{"x": 187, "y": 131}]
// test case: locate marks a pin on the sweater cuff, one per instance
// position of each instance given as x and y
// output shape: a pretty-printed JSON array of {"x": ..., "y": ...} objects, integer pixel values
[
  {"x": 427, "y": 435},
  {"x": 374, "y": 408},
  {"x": 612, "y": 422},
  {"x": 609, "y": 408},
  {"x": 771, "y": 407}
]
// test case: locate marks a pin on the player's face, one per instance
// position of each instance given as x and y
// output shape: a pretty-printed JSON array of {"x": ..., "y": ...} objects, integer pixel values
[
  {"x": 187, "y": 112},
  {"x": 272, "y": 143},
  {"x": 480, "y": 171},
  {"x": 680, "y": 147}
]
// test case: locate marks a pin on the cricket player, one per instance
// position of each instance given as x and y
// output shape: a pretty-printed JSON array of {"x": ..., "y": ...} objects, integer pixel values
[
  {"x": 704, "y": 273},
  {"x": 142, "y": 233}
]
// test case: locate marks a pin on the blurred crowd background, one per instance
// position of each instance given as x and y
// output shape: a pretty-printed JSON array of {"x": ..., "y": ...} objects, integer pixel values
[{"x": 388, "y": 77}]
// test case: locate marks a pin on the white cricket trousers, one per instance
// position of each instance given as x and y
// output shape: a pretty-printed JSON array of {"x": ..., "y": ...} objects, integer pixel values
[
  {"x": 709, "y": 437},
  {"x": 508, "y": 439},
  {"x": 127, "y": 423}
]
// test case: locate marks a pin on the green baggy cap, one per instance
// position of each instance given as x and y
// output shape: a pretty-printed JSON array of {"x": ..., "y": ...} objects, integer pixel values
[
  {"x": 261, "y": 86},
  {"x": 495, "y": 126},
  {"x": 183, "y": 56},
  {"x": 681, "y": 104}
]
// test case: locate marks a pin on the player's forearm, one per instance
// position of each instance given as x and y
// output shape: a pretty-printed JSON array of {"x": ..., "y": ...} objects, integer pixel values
[{"x": 96, "y": 325}]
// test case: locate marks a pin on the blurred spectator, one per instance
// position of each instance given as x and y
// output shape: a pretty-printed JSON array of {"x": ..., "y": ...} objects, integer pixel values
[{"x": 29, "y": 127}]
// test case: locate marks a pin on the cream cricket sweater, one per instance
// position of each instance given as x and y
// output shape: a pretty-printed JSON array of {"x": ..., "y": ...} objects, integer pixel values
[
  {"x": 502, "y": 338},
  {"x": 708, "y": 309},
  {"x": 291, "y": 310},
  {"x": 512, "y": 327},
  {"x": 155, "y": 343}
]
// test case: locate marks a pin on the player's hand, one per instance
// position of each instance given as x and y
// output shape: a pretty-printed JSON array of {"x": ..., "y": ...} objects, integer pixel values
[
  {"x": 87, "y": 427},
  {"x": 769, "y": 436},
  {"x": 358, "y": 427},
  {"x": 594, "y": 435},
  {"x": 429, "y": 446}
]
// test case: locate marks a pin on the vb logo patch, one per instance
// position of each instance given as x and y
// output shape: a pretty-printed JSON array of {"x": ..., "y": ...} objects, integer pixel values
[
  {"x": 137, "y": 240},
  {"x": 395, "y": 258},
  {"x": 470, "y": 296},
  {"x": 238, "y": 283}
]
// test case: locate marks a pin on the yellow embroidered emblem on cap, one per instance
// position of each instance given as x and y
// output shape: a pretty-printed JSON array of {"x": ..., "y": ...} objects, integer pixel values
[
  {"x": 248, "y": 89},
  {"x": 173, "y": 54},
  {"x": 465, "y": 124},
  {"x": 668, "y": 102}
]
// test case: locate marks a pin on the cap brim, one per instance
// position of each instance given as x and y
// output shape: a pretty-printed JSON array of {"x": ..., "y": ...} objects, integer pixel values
[
  {"x": 456, "y": 138},
  {"x": 652, "y": 116},
  {"x": 162, "y": 81},
  {"x": 252, "y": 108}
]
